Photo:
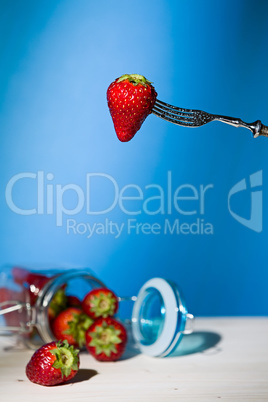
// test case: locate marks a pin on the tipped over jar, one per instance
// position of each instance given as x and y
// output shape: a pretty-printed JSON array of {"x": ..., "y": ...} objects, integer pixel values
[{"x": 31, "y": 299}]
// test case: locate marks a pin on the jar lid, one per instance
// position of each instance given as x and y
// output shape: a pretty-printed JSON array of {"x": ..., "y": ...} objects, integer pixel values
[{"x": 160, "y": 318}]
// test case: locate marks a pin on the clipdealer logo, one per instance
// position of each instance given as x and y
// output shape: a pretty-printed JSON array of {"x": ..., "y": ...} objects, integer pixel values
[
  {"x": 102, "y": 195},
  {"x": 255, "y": 221}
]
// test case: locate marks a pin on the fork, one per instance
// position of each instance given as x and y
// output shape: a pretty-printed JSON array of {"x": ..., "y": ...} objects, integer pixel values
[{"x": 197, "y": 118}]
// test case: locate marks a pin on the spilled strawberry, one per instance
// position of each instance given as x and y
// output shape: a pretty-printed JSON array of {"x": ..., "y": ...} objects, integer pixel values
[
  {"x": 31, "y": 281},
  {"x": 53, "y": 363},
  {"x": 130, "y": 100},
  {"x": 106, "y": 339},
  {"x": 101, "y": 302},
  {"x": 73, "y": 301},
  {"x": 71, "y": 325}
]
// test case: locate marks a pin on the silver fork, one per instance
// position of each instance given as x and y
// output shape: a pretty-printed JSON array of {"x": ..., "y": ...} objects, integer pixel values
[{"x": 197, "y": 118}]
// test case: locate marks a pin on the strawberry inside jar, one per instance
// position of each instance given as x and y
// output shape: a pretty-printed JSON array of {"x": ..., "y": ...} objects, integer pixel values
[{"x": 31, "y": 299}]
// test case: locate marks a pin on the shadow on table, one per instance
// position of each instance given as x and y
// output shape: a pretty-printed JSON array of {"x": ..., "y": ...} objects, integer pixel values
[
  {"x": 83, "y": 375},
  {"x": 198, "y": 342}
]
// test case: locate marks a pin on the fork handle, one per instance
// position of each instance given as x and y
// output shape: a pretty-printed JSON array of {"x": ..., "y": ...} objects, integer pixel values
[
  {"x": 264, "y": 130},
  {"x": 257, "y": 128}
]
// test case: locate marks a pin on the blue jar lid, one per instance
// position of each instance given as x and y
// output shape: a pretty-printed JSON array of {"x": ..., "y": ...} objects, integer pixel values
[{"x": 160, "y": 318}]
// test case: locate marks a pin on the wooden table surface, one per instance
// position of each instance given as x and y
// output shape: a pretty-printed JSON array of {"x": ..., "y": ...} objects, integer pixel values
[{"x": 225, "y": 358}]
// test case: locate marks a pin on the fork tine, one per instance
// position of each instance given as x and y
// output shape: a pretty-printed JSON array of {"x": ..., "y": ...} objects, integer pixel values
[
  {"x": 174, "y": 118},
  {"x": 167, "y": 106},
  {"x": 181, "y": 116},
  {"x": 175, "y": 113}
]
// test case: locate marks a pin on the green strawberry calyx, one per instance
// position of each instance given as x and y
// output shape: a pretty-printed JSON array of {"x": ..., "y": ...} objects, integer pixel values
[
  {"x": 104, "y": 339},
  {"x": 66, "y": 358},
  {"x": 103, "y": 304},
  {"x": 134, "y": 79},
  {"x": 78, "y": 327},
  {"x": 58, "y": 302}
]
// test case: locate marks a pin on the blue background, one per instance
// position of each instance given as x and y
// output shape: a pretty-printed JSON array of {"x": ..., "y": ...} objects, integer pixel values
[{"x": 57, "y": 60}]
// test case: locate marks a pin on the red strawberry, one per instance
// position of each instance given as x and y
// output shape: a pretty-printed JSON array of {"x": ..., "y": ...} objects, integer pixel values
[
  {"x": 101, "y": 302},
  {"x": 19, "y": 274},
  {"x": 106, "y": 339},
  {"x": 53, "y": 363},
  {"x": 33, "y": 281},
  {"x": 71, "y": 325},
  {"x": 130, "y": 100},
  {"x": 73, "y": 301},
  {"x": 22, "y": 275}
]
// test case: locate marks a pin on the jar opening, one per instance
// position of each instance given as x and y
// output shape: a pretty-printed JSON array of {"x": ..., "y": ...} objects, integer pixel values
[{"x": 152, "y": 316}]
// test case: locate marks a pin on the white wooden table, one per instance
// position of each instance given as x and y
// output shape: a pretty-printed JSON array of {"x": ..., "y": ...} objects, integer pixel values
[{"x": 225, "y": 359}]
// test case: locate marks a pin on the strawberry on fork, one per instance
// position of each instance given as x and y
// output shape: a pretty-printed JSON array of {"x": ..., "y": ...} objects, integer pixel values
[{"x": 130, "y": 100}]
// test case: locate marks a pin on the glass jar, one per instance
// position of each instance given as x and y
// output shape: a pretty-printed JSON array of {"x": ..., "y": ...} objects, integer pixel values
[
  {"x": 159, "y": 317},
  {"x": 26, "y": 297}
]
